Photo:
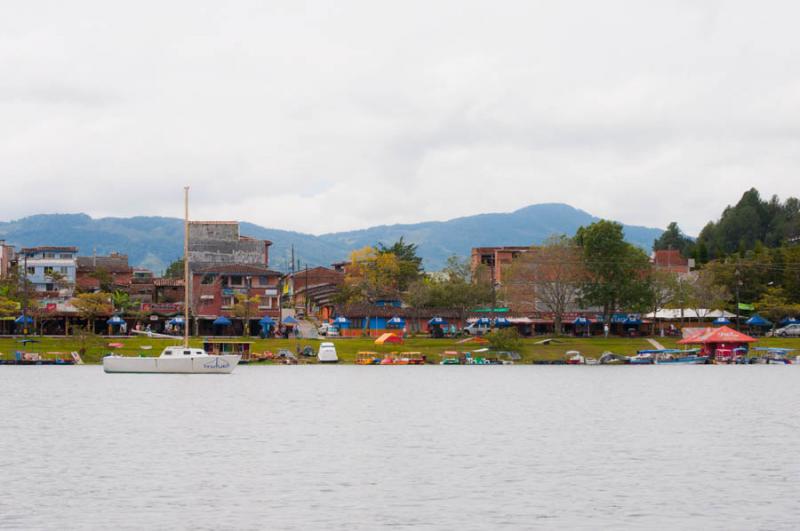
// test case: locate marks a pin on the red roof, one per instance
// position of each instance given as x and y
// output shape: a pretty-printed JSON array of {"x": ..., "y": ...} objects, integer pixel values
[{"x": 723, "y": 334}]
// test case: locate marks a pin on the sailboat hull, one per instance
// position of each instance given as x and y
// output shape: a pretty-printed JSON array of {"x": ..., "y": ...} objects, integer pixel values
[{"x": 222, "y": 364}]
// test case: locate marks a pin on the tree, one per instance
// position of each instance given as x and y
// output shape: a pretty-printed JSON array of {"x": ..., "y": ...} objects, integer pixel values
[
  {"x": 506, "y": 339},
  {"x": 616, "y": 271},
  {"x": 104, "y": 279},
  {"x": 121, "y": 301},
  {"x": 410, "y": 265},
  {"x": 244, "y": 308},
  {"x": 175, "y": 269},
  {"x": 8, "y": 307},
  {"x": 706, "y": 294},
  {"x": 460, "y": 288},
  {"x": 674, "y": 238},
  {"x": 774, "y": 305},
  {"x": 371, "y": 276},
  {"x": 90, "y": 306},
  {"x": 546, "y": 277},
  {"x": 664, "y": 286}
]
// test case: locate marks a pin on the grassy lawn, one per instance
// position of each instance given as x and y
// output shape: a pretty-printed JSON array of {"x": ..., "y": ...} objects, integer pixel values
[{"x": 348, "y": 348}]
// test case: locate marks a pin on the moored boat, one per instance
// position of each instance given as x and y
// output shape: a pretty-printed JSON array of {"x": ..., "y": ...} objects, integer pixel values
[{"x": 173, "y": 360}]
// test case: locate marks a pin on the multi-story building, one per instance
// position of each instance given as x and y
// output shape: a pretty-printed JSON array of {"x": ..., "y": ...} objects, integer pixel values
[
  {"x": 313, "y": 289},
  {"x": 496, "y": 259},
  {"x": 6, "y": 258},
  {"x": 215, "y": 289},
  {"x": 50, "y": 271},
  {"x": 218, "y": 242},
  {"x": 103, "y": 273},
  {"x": 672, "y": 260}
]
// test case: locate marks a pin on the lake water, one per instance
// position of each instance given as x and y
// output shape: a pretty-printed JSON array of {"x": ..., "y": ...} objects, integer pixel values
[{"x": 349, "y": 447}]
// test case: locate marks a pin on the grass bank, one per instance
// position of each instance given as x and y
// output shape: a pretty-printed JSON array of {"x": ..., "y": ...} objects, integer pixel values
[{"x": 531, "y": 349}]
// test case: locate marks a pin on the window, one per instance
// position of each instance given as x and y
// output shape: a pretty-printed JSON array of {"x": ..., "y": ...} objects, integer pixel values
[
  {"x": 187, "y": 352},
  {"x": 49, "y": 287},
  {"x": 48, "y": 270},
  {"x": 31, "y": 270},
  {"x": 208, "y": 279},
  {"x": 63, "y": 270},
  {"x": 49, "y": 255},
  {"x": 236, "y": 280},
  {"x": 168, "y": 353}
]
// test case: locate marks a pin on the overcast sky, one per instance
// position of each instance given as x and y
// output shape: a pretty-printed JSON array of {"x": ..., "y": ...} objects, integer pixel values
[{"x": 324, "y": 116}]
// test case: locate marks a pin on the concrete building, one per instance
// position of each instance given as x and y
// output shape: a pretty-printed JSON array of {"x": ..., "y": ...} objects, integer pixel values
[
  {"x": 313, "y": 290},
  {"x": 214, "y": 291},
  {"x": 103, "y": 273},
  {"x": 50, "y": 271},
  {"x": 671, "y": 260},
  {"x": 496, "y": 259},
  {"x": 219, "y": 242},
  {"x": 6, "y": 258}
]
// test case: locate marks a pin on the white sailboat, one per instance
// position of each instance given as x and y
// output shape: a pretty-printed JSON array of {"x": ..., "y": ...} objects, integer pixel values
[{"x": 176, "y": 359}]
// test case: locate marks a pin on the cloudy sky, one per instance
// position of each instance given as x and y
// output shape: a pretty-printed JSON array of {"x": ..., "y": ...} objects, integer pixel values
[{"x": 324, "y": 116}]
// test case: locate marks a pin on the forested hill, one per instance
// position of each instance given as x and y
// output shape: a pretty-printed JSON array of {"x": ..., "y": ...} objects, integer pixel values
[{"x": 154, "y": 242}]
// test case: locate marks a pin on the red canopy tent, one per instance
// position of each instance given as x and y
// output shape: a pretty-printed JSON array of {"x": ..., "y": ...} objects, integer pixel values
[{"x": 718, "y": 342}]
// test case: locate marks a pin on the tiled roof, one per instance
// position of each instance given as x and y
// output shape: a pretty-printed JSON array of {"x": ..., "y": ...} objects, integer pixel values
[
  {"x": 49, "y": 248},
  {"x": 239, "y": 269},
  {"x": 168, "y": 282},
  {"x": 112, "y": 264}
]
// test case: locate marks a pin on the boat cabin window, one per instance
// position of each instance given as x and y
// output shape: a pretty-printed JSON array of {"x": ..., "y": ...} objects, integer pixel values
[
  {"x": 168, "y": 353},
  {"x": 187, "y": 352}
]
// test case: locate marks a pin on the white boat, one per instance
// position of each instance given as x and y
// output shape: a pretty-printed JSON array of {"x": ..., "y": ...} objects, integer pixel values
[
  {"x": 176, "y": 359},
  {"x": 327, "y": 353}
]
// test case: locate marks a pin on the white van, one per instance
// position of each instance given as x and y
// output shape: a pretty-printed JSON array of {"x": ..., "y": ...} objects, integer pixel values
[
  {"x": 327, "y": 353},
  {"x": 475, "y": 329}
]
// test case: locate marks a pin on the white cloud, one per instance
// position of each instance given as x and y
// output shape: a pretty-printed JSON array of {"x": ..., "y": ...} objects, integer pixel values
[{"x": 320, "y": 116}]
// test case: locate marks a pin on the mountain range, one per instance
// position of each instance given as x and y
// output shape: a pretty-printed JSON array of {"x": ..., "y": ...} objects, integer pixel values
[{"x": 154, "y": 242}]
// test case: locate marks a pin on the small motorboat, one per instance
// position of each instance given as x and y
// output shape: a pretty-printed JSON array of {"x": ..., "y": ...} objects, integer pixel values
[
  {"x": 575, "y": 358},
  {"x": 327, "y": 353}
]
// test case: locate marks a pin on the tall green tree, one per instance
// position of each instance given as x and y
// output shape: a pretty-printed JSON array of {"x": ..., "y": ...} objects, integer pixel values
[
  {"x": 409, "y": 263},
  {"x": 617, "y": 272},
  {"x": 674, "y": 238},
  {"x": 175, "y": 269}
]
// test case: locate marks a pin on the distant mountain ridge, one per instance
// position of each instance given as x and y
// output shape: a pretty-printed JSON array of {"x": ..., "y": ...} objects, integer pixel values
[{"x": 154, "y": 242}]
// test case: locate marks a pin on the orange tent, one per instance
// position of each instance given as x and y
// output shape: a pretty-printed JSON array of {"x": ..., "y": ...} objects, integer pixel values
[
  {"x": 389, "y": 338},
  {"x": 723, "y": 334}
]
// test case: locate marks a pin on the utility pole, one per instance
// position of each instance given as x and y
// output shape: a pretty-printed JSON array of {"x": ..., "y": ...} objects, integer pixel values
[
  {"x": 306, "y": 291},
  {"x": 25, "y": 295},
  {"x": 738, "y": 283}
]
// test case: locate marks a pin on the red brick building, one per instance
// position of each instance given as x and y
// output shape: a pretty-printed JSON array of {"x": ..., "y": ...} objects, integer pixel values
[
  {"x": 111, "y": 272},
  {"x": 671, "y": 260},
  {"x": 214, "y": 291},
  {"x": 496, "y": 259}
]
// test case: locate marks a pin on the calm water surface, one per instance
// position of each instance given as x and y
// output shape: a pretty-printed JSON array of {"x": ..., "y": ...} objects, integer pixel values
[{"x": 425, "y": 447}]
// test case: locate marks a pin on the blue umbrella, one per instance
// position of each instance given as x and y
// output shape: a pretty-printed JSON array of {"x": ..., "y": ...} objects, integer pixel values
[
  {"x": 116, "y": 320},
  {"x": 341, "y": 320},
  {"x": 290, "y": 321},
  {"x": 631, "y": 322},
  {"x": 483, "y": 321},
  {"x": 437, "y": 321},
  {"x": 396, "y": 322},
  {"x": 266, "y": 321},
  {"x": 581, "y": 321},
  {"x": 222, "y": 321},
  {"x": 27, "y": 319},
  {"x": 176, "y": 321},
  {"x": 789, "y": 321},
  {"x": 502, "y": 322},
  {"x": 757, "y": 320},
  {"x": 722, "y": 321}
]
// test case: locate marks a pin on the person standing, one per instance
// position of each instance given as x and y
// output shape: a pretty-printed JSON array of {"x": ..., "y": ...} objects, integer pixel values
[{"x": 605, "y": 330}]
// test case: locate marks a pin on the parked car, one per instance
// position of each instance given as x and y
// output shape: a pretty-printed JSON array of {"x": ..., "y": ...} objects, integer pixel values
[
  {"x": 792, "y": 330},
  {"x": 328, "y": 330},
  {"x": 327, "y": 353},
  {"x": 475, "y": 329}
]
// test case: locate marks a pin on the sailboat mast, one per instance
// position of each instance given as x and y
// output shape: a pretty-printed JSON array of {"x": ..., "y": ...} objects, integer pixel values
[{"x": 185, "y": 267}]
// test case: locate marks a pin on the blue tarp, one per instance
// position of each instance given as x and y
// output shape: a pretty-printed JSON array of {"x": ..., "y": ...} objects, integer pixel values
[
  {"x": 631, "y": 322},
  {"x": 581, "y": 321},
  {"x": 290, "y": 321},
  {"x": 502, "y": 322},
  {"x": 757, "y": 320},
  {"x": 437, "y": 321},
  {"x": 722, "y": 321},
  {"x": 789, "y": 320},
  {"x": 116, "y": 320},
  {"x": 266, "y": 321},
  {"x": 396, "y": 322},
  {"x": 222, "y": 321},
  {"x": 483, "y": 321},
  {"x": 176, "y": 321},
  {"x": 24, "y": 318}
]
